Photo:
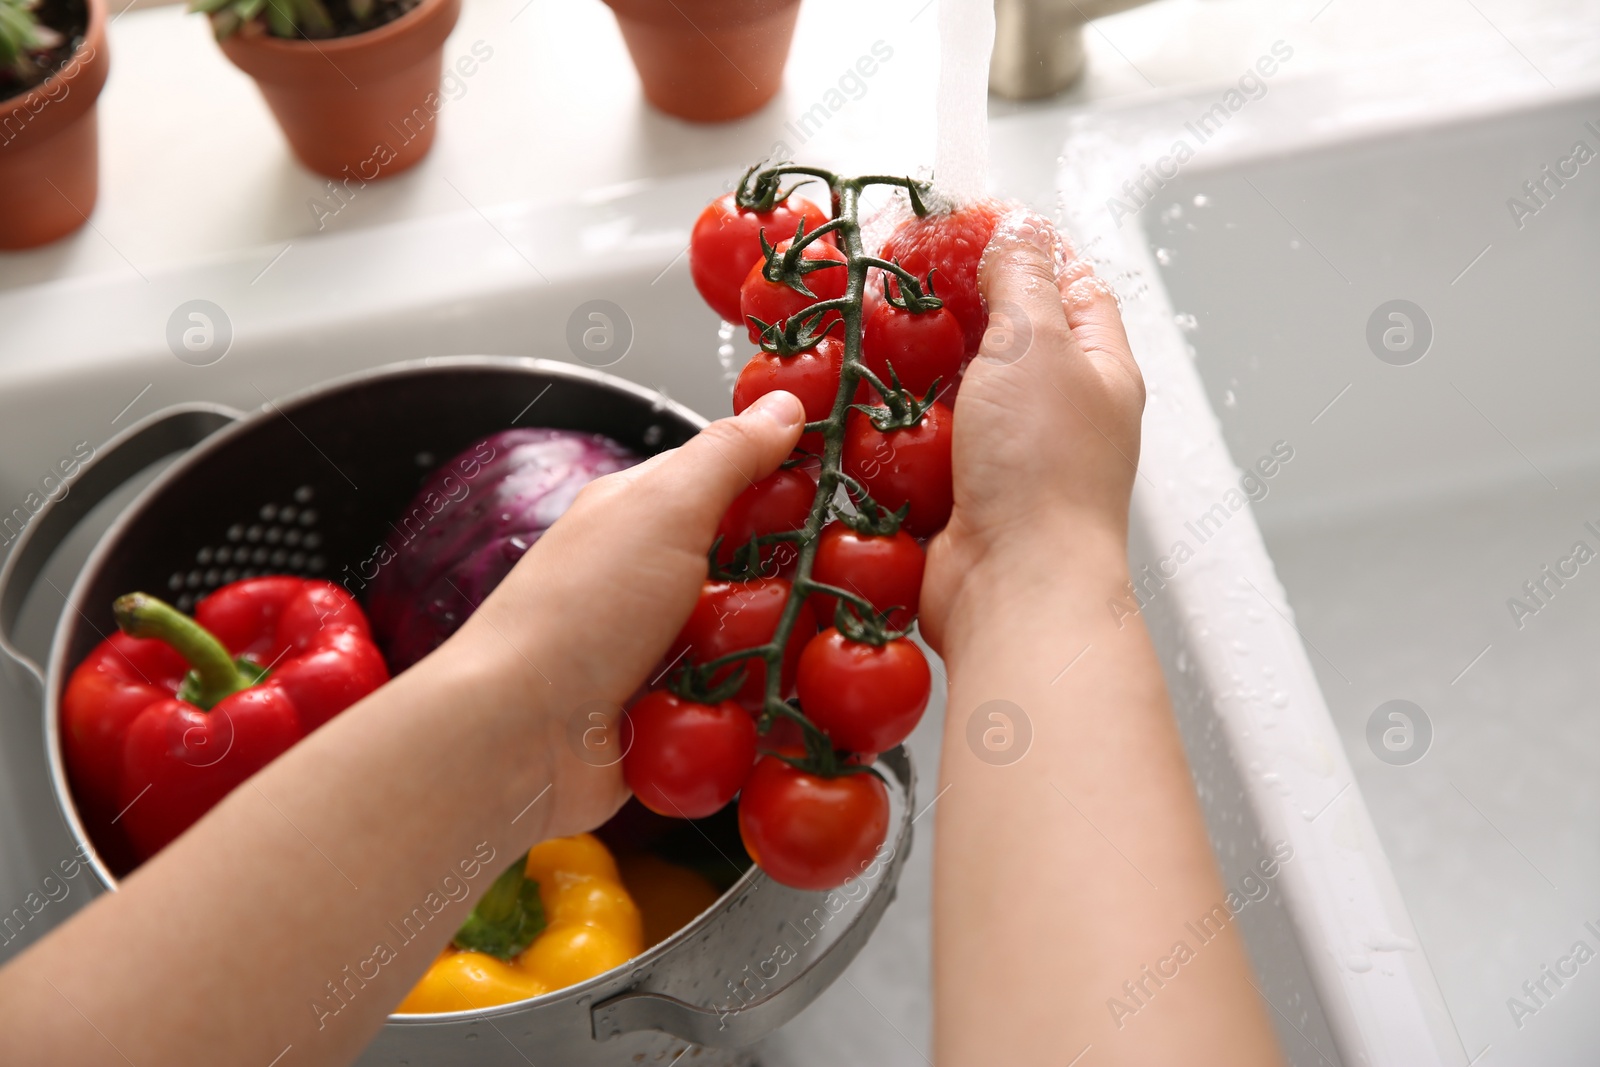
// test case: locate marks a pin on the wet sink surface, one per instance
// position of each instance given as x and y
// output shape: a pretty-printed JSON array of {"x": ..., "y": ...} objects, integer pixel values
[{"x": 1432, "y": 477}]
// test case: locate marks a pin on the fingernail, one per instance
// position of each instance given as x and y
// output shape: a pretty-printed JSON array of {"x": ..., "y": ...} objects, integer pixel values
[
  {"x": 1027, "y": 232},
  {"x": 782, "y": 408},
  {"x": 1029, "y": 228}
]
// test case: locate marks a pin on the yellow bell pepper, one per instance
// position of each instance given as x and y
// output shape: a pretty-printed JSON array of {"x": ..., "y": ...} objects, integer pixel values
[
  {"x": 669, "y": 896},
  {"x": 590, "y": 925}
]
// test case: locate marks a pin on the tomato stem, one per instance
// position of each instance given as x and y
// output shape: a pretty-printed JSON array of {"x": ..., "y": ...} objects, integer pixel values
[{"x": 758, "y": 190}]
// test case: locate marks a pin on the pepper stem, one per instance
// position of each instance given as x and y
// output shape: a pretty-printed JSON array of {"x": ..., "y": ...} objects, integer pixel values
[{"x": 215, "y": 674}]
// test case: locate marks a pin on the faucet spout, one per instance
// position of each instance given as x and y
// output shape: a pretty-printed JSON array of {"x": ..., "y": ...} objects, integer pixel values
[{"x": 1038, "y": 44}]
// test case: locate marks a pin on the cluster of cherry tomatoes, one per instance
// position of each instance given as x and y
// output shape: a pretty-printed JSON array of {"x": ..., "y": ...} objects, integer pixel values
[{"x": 812, "y": 812}]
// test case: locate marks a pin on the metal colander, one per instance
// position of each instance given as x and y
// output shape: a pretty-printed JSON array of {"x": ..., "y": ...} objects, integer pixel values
[{"x": 308, "y": 486}]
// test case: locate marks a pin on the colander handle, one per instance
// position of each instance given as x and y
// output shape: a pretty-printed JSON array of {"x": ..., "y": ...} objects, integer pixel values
[
  {"x": 118, "y": 460},
  {"x": 740, "y": 1028}
]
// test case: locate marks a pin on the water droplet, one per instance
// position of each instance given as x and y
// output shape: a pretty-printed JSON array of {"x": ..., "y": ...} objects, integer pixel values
[
  {"x": 1186, "y": 322},
  {"x": 1164, "y": 256},
  {"x": 1201, "y": 200},
  {"x": 1280, "y": 699},
  {"x": 1229, "y": 400}
]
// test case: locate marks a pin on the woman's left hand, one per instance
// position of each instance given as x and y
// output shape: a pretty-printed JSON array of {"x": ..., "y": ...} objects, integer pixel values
[{"x": 583, "y": 619}]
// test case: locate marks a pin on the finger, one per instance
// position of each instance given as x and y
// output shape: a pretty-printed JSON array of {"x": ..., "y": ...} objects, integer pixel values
[
  {"x": 689, "y": 488},
  {"x": 1017, "y": 277},
  {"x": 1095, "y": 319}
]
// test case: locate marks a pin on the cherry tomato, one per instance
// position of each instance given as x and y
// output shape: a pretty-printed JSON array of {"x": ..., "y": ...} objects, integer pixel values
[
  {"x": 910, "y": 465},
  {"x": 731, "y": 616},
  {"x": 813, "y": 376},
  {"x": 774, "y": 301},
  {"x": 685, "y": 759},
  {"x": 780, "y": 501},
  {"x": 865, "y": 698},
  {"x": 887, "y": 571},
  {"x": 922, "y": 347},
  {"x": 810, "y": 832},
  {"x": 952, "y": 242},
  {"x": 726, "y": 243}
]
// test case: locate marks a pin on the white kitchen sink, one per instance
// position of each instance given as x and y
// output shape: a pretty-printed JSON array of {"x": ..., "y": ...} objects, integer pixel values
[
  {"x": 1338, "y": 287},
  {"x": 1419, "y": 897}
]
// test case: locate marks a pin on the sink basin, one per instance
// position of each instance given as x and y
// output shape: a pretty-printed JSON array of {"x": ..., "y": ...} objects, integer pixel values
[{"x": 1370, "y": 424}]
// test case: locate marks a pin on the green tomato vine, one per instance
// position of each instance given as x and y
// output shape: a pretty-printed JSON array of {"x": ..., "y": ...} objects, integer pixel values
[{"x": 856, "y": 617}]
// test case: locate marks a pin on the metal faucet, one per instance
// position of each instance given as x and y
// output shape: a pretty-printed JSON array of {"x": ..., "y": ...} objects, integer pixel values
[{"x": 1038, "y": 44}]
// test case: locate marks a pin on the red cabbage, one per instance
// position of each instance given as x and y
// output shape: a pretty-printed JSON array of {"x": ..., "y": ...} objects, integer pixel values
[{"x": 467, "y": 526}]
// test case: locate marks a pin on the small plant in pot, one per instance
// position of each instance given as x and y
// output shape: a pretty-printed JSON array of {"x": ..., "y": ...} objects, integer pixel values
[
  {"x": 30, "y": 50},
  {"x": 52, "y": 66},
  {"x": 708, "y": 60},
  {"x": 353, "y": 83}
]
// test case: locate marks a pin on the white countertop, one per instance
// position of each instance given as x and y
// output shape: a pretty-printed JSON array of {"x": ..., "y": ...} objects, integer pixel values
[{"x": 193, "y": 164}]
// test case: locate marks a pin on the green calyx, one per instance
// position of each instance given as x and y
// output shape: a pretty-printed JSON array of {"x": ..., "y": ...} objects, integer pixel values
[
  {"x": 765, "y": 192},
  {"x": 747, "y": 562},
  {"x": 900, "y": 409},
  {"x": 507, "y": 919},
  {"x": 913, "y": 298},
  {"x": 869, "y": 627},
  {"x": 790, "y": 266},
  {"x": 870, "y": 518},
  {"x": 796, "y": 334},
  {"x": 214, "y": 674},
  {"x": 699, "y": 682}
]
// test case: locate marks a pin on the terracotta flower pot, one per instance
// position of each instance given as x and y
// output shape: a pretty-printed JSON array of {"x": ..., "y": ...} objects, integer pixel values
[
  {"x": 50, "y": 146},
  {"x": 363, "y": 106},
  {"x": 708, "y": 60}
]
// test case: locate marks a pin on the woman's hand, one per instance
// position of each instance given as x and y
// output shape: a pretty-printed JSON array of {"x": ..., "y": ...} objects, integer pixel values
[
  {"x": 1047, "y": 422},
  {"x": 583, "y": 619}
]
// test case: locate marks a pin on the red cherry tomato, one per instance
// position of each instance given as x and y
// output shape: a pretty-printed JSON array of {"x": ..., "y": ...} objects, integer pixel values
[
  {"x": 731, "y": 616},
  {"x": 813, "y": 376},
  {"x": 910, "y": 465},
  {"x": 685, "y": 759},
  {"x": 952, "y": 242},
  {"x": 887, "y": 571},
  {"x": 865, "y": 698},
  {"x": 922, "y": 347},
  {"x": 810, "y": 832},
  {"x": 780, "y": 501},
  {"x": 773, "y": 302},
  {"x": 726, "y": 243}
]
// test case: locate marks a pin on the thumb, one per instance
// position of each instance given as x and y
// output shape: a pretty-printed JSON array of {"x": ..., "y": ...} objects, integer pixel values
[{"x": 688, "y": 489}]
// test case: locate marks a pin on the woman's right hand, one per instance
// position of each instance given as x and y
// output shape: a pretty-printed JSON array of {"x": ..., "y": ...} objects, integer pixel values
[{"x": 1047, "y": 424}]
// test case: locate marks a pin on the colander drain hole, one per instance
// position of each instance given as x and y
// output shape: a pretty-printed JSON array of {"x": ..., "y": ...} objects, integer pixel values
[{"x": 281, "y": 538}]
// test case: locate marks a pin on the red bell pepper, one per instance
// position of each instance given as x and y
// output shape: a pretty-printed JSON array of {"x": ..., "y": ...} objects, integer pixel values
[{"x": 162, "y": 720}]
